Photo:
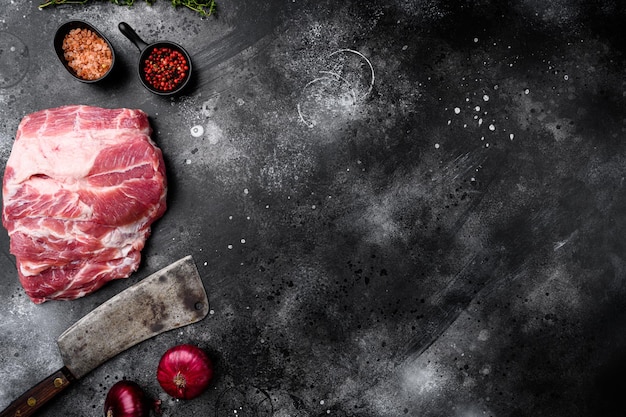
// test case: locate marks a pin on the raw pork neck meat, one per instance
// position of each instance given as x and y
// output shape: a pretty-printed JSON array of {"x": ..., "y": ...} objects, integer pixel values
[{"x": 81, "y": 188}]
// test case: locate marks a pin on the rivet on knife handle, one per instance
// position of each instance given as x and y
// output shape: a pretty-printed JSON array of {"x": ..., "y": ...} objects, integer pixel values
[{"x": 27, "y": 404}]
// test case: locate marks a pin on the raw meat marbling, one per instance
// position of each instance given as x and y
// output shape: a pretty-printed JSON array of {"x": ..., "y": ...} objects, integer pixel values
[{"x": 81, "y": 188}]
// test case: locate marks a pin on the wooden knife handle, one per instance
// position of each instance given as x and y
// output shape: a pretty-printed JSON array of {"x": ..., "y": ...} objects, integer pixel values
[{"x": 27, "y": 404}]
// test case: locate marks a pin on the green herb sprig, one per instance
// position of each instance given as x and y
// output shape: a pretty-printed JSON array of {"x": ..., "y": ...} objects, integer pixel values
[{"x": 203, "y": 7}]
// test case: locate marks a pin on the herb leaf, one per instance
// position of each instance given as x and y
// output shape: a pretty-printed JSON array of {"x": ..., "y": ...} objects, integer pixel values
[{"x": 202, "y": 7}]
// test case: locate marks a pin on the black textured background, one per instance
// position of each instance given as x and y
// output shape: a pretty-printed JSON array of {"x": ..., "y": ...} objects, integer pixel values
[{"x": 445, "y": 239}]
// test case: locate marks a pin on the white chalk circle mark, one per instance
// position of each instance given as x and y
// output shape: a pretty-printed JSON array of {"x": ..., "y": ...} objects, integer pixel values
[
  {"x": 338, "y": 90},
  {"x": 354, "y": 74},
  {"x": 14, "y": 60},
  {"x": 324, "y": 98}
]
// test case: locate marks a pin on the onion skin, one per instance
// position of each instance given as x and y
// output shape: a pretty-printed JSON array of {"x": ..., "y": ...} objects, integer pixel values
[
  {"x": 127, "y": 399},
  {"x": 185, "y": 371}
]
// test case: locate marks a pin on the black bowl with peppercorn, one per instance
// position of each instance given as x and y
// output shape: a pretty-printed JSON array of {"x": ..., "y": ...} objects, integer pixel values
[
  {"x": 164, "y": 67},
  {"x": 84, "y": 51}
]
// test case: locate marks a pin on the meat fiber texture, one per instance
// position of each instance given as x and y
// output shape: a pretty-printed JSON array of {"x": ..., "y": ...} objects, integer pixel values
[{"x": 81, "y": 188}]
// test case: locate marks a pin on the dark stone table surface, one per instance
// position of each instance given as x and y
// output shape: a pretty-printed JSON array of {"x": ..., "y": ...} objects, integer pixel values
[{"x": 397, "y": 208}]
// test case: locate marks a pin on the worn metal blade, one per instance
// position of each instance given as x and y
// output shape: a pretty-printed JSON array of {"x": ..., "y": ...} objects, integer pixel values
[{"x": 168, "y": 299}]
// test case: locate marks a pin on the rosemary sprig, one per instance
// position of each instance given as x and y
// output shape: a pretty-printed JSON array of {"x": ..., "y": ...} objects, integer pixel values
[{"x": 202, "y": 7}]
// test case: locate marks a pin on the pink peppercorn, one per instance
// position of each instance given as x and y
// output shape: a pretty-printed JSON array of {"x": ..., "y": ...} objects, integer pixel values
[{"x": 165, "y": 68}]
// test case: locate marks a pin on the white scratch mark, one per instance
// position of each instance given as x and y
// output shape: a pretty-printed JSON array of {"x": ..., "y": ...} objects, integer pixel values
[
  {"x": 339, "y": 77},
  {"x": 300, "y": 113},
  {"x": 558, "y": 245},
  {"x": 371, "y": 87},
  {"x": 336, "y": 77}
]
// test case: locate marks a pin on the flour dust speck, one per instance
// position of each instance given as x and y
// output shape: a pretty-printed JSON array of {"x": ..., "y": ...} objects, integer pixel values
[{"x": 213, "y": 132}]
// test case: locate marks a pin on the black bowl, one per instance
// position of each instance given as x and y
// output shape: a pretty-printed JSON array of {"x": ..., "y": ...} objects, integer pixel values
[
  {"x": 63, "y": 30},
  {"x": 145, "y": 51}
]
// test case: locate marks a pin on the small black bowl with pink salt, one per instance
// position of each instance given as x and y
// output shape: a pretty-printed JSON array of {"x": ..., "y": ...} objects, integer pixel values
[{"x": 84, "y": 51}]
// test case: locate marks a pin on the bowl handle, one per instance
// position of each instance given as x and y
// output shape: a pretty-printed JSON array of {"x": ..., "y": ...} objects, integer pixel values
[{"x": 130, "y": 33}]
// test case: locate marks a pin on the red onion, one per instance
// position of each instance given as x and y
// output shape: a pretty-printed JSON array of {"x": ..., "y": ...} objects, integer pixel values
[
  {"x": 127, "y": 399},
  {"x": 185, "y": 371}
]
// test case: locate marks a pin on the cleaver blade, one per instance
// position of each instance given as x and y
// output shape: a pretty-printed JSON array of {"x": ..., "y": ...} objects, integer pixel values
[{"x": 170, "y": 298}]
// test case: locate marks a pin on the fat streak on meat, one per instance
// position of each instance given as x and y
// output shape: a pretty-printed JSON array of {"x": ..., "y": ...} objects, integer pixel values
[{"x": 81, "y": 188}]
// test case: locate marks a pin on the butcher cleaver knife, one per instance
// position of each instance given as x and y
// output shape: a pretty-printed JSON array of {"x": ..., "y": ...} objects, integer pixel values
[{"x": 168, "y": 299}]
